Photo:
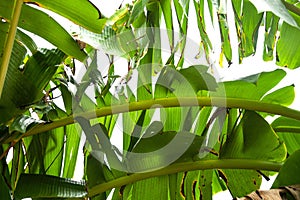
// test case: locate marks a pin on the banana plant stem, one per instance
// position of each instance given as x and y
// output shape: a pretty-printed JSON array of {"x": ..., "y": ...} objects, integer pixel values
[
  {"x": 165, "y": 103},
  {"x": 10, "y": 42},
  {"x": 187, "y": 166}
]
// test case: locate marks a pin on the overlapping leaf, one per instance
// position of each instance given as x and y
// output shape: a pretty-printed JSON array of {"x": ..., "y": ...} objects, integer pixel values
[
  {"x": 45, "y": 186},
  {"x": 83, "y": 13},
  {"x": 253, "y": 138},
  {"x": 288, "y": 47},
  {"x": 43, "y": 25},
  {"x": 257, "y": 88},
  {"x": 288, "y": 173},
  {"x": 24, "y": 84},
  {"x": 288, "y": 130},
  {"x": 277, "y": 7}
]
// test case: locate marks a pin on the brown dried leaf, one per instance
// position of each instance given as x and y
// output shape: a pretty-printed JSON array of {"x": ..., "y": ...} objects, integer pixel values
[{"x": 274, "y": 194}]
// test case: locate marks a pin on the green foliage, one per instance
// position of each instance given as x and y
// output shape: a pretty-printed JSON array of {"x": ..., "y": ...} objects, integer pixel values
[
  {"x": 44, "y": 186},
  {"x": 287, "y": 174},
  {"x": 185, "y": 134}
]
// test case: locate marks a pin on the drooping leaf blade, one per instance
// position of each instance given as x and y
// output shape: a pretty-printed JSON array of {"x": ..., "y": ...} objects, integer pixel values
[
  {"x": 247, "y": 22},
  {"x": 83, "y": 13},
  {"x": 288, "y": 47},
  {"x": 241, "y": 182},
  {"x": 40, "y": 23},
  {"x": 288, "y": 130},
  {"x": 42, "y": 186},
  {"x": 283, "y": 96},
  {"x": 24, "y": 84},
  {"x": 275, "y": 6},
  {"x": 73, "y": 136},
  {"x": 159, "y": 189}
]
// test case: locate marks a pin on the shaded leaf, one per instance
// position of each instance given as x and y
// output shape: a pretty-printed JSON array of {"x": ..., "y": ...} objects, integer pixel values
[
  {"x": 4, "y": 178},
  {"x": 157, "y": 149},
  {"x": 5, "y": 192},
  {"x": 18, "y": 163},
  {"x": 23, "y": 123},
  {"x": 41, "y": 186},
  {"x": 24, "y": 85},
  {"x": 198, "y": 77}
]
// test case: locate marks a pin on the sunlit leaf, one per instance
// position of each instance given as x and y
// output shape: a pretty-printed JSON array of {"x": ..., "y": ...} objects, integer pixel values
[
  {"x": 200, "y": 9},
  {"x": 288, "y": 174},
  {"x": 225, "y": 40},
  {"x": 271, "y": 28},
  {"x": 138, "y": 9},
  {"x": 167, "y": 12},
  {"x": 284, "y": 96},
  {"x": 175, "y": 183},
  {"x": 218, "y": 184},
  {"x": 288, "y": 47},
  {"x": 288, "y": 130},
  {"x": 275, "y": 6},
  {"x": 241, "y": 182},
  {"x": 26, "y": 40},
  {"x": 158, "y": 185},
  {"x": 253, "y": 139},
  {"x": 73, "y": 136},
  {"x": 248, "y": 22},
  {"x": 256, "y": 86},
  {"x": 83, "y": 13},
  {"x": 45, "y": 152},
  {"x": 41, "y": 24}
]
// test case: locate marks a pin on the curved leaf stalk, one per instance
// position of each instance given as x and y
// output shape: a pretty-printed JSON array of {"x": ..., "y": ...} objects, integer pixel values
[
  {"x": 292, "y": 8},
  {"x": 187, "y": 166},
  {"x": 287, "y": 129},
  {"x": 169, "y": 102},
  {"x": 10, "y": 42}
]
